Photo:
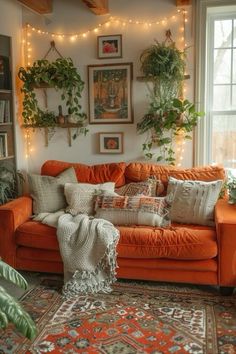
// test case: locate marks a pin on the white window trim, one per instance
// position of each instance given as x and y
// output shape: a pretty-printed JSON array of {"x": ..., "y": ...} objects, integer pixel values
[{"x": 201, "y": 157}]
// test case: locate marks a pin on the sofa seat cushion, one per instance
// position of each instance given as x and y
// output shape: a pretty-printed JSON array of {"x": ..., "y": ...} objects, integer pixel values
[
  {"x": 184, "y": 242},
  {"x": 37, "y": 235}
]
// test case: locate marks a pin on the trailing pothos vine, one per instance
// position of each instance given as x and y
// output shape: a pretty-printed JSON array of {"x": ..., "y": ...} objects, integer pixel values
[
  {"x": 168, "y": 115},
  {"x": 60, "y": 75}
]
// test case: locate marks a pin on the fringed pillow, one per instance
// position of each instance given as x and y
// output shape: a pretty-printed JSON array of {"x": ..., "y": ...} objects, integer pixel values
[{"x": 138, "y": 210}]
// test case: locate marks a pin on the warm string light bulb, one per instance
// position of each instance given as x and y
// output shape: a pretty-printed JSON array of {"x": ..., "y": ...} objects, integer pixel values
[
  {"x": 180, "y": 143},
  {"x": 29, "y": 147},
  {"x": 112, "y": 20}
]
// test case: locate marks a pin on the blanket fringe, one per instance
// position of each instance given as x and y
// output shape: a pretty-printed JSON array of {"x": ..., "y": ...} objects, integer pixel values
[{"x": 99, "y": 280}]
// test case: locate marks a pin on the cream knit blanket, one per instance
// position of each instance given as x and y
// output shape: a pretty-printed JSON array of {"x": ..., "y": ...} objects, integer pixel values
[{"x": 88, "y": 250}]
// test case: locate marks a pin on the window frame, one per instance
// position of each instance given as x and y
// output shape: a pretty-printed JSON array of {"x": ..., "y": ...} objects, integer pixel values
[{"x": 203, "y": 138}]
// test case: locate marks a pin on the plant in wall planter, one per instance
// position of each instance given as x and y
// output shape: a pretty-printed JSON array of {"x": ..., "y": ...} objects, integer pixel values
[
  {"x": 168, "y": 115},
  {"x": 60, "y": 75}
]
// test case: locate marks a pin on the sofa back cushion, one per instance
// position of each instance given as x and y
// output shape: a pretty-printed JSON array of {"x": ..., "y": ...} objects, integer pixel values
[
  {"x": 109, "y": 172},
  {"x": 140, "y": 171}
]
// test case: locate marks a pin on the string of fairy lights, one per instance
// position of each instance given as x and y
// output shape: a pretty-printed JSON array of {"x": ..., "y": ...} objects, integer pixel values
[{"x": 181, "y": 15}]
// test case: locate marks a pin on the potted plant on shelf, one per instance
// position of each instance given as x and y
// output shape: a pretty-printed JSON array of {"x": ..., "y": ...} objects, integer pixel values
[
  {"x": 10, "y": 309},
  {"x": 60, "y": 75},
  {"x": 168, "y": 116}
]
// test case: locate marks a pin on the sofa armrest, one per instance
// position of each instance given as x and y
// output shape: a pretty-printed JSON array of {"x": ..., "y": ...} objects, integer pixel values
[
  {"x": 12, "y": 215},
  {"x": 225, "y": 218}
]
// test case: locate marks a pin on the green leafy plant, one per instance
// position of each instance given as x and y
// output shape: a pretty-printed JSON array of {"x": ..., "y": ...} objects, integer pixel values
[
  {"x": 163, "y": 123},
  {"x": 9, "y": 180},
  {"x": 165, "y": 65},
  {"x": 10, "y": 309},
  {"x": 61, "y": 75},
  {"x": 168, "y": 115},
  {"x": 231, "y": 186}
]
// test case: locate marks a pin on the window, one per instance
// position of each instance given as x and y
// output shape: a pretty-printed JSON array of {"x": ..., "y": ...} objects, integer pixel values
[{"x": 217, "y": 133}]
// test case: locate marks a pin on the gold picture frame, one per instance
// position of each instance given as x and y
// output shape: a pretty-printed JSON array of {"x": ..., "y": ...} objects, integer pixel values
[{"x": 110, "y": 93}]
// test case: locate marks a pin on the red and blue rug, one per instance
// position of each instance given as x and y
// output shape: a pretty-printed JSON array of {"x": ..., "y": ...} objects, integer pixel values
[{"x": 133, "y": 319}]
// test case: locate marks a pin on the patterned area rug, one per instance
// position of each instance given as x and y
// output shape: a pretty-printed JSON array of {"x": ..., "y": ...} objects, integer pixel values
[{"x": 134, "y": 318}]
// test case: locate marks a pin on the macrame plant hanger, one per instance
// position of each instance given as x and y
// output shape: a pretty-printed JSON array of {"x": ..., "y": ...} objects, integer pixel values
[{"x": 50, "y": 50}]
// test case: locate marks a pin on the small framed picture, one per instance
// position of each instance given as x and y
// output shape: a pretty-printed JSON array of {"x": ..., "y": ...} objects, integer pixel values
[
  {"x": 111, "y": 143},
  {"x": 110, "y": 46}
]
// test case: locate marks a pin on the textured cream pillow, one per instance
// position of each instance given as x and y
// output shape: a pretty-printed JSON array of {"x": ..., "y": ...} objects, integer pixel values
[
  {"x": 137, "y": 210},
  {"x": 193, "y": 202},
  {"x": 48, "y": 192},
  {"x": 80, "y": 196}
]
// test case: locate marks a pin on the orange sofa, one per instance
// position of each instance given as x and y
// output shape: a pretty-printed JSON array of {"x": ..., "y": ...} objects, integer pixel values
[{"x": 182, "y": 253}]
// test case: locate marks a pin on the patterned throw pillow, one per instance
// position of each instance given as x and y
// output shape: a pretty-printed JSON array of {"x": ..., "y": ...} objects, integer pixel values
[
  {"x": 193, "y": 202},
  {"x": 80, "y": 196},
  {"x": 124, "y": 210},
  {"x": 48, "y": 192},
  {"x": 151, "y": 187}
]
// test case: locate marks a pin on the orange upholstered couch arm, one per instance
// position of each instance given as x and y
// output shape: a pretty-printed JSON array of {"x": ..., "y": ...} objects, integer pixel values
[
  {"x": 12, "y": 214},
  {"x": 225, "y": 218}
]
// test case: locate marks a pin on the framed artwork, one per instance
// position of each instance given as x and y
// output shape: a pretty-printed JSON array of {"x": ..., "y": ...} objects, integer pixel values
[
  {"x": 109, "y": 46},
  {"x": 110, "y": 93},
  {"x": 111, "y": 143}
]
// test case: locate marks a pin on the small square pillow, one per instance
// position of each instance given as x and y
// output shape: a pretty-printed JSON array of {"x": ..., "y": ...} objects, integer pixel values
[
  {"x": 124, "y": 210},
  {"x": 80, "y": 196},
  {"x": 193, "y": 202},
  {"x": 151, "y": 187},
  {"x": 48, "y": 192}
]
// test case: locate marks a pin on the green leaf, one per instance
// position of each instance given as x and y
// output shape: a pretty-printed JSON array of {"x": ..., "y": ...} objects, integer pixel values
[
  {"x": 17, "y": 315},
  {"x": 12, "y": 275},
  {"x": 3, "y": 320}
]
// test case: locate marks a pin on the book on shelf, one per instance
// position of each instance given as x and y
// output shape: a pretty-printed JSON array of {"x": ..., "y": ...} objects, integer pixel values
[
  {"x": 2, "y": 111},
  {"x": 3, "y": 145},
  {"x": 5, "y": 111},
  {"x": 7, "y": 117}
]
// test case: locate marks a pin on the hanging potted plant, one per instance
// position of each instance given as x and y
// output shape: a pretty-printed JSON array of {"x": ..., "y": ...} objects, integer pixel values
[
  {"x": 163, "y": 65},
  {"x": 60, "y": 75}
]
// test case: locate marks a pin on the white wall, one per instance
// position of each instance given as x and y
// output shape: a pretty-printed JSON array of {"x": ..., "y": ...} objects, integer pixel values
[
  {"x": 11, "y": 25},
  {"x": 74, "y": 17}
]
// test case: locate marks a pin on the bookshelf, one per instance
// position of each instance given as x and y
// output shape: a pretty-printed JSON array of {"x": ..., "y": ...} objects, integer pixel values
[{"x": 7, "y": 141}]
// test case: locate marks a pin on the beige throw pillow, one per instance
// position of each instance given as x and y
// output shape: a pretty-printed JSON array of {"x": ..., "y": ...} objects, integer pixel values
[
  {"x": 81, "y": 196},
  {"x": 48, "y": 192},
  {"x": 193, "y": 202}
]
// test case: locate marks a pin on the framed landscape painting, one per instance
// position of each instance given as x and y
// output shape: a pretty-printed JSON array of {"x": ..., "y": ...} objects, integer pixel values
[
  {"x": 110, "y": 93},
  {"x": 111, "y": 143},
  {"x": 109, "y": 46}
]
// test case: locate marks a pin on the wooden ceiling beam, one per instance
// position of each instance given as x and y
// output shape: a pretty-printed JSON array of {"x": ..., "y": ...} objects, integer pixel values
[
  {"x": 98, "y": 7},
  {"x": 40, "y": 6},
  {"x": 183, "y": 2}
]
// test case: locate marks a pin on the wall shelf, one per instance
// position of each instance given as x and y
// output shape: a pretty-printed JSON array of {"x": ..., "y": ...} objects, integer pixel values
[
  {"x": 145, "y": 78},
  {"x": 68, "y": 126}
]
